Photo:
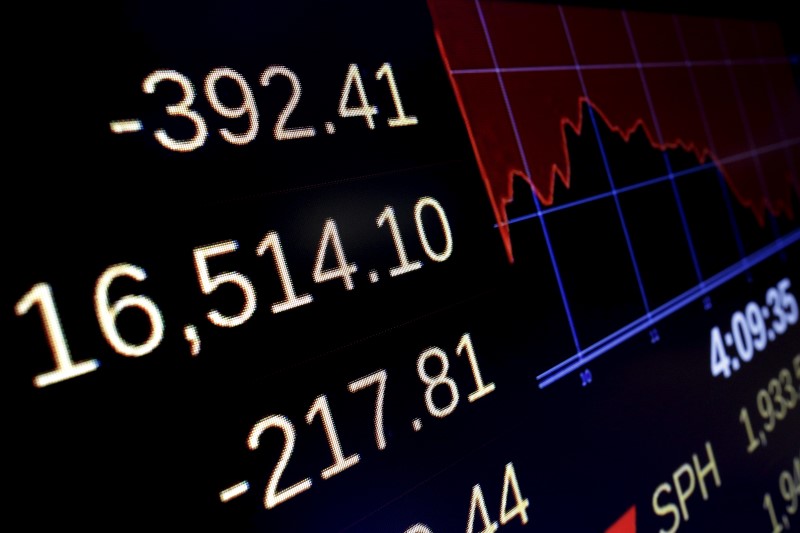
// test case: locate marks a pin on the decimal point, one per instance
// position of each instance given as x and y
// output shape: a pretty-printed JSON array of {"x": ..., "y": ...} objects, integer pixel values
[
  {"x": 763, "y": 437},
  {"x": 771, "y": 335},
  {"x": 765, "y": 312},
  {"x": 735, "y": 363},
  {"x": 728, "y": 339},
  {"x": 373, "y": 276},
  {"x": 330, "y": 129},
  {"x": 416, "y": 424}
]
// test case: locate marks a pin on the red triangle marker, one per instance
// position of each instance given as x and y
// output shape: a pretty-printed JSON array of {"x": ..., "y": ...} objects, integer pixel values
[{"x": 626, "y": 523}]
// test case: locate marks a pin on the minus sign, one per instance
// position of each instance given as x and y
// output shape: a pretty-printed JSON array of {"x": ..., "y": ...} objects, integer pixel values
[
  {"x": 234, "y": 491},
  {"x": 125, "y": 126}
]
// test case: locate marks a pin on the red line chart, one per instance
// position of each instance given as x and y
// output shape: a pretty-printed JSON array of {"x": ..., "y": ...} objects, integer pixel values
[{"x": 720, "y": 89}]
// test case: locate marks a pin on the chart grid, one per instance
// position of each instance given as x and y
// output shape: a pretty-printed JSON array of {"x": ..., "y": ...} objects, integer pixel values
[{"x": 708, "y": 158}]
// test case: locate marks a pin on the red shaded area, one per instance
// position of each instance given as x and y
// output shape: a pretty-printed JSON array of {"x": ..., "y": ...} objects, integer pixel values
[
  {"x": 737, "y": 95},
  {"x": 626, "y": 523}
]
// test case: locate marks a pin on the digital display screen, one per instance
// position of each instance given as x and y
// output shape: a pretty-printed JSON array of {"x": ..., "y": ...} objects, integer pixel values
[{"x": 403, "y": 267}]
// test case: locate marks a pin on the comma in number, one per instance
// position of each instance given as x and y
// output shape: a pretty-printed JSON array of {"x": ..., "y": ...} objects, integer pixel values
[{"x": 190, "y": 334}]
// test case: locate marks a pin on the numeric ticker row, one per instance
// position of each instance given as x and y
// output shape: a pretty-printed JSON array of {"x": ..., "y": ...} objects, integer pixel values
[
  {"x": 321, "y": 409},
  {"x": 353, "y": 89},
  {"x": 330, "y": 246}
]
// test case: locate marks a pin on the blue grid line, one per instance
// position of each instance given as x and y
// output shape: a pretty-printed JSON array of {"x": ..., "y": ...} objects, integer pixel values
[
  {"x": 748, "y": 133},
  {"x": 618, "y": 66},
  {"x": 605, "y": 162},
  {"x": 693, "y": 170},
  {"x": 588, "y": 199},
  {"x": 527, "y": 173},
  {"x": 773, "y": 100},
  {"x": 707, "y": 128},
  {"x": 667, "y": 162},
  {"x": 601, "y": 347}
]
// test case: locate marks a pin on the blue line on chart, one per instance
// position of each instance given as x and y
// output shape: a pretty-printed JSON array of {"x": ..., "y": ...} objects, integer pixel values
[
  {"x": 524, "y": 157},
  {"x": 606, "y": 164},
  {"x": 664, "y": 153},
  {"x": 677, "y": 174},
  {"x": 637, "y": 326}
]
